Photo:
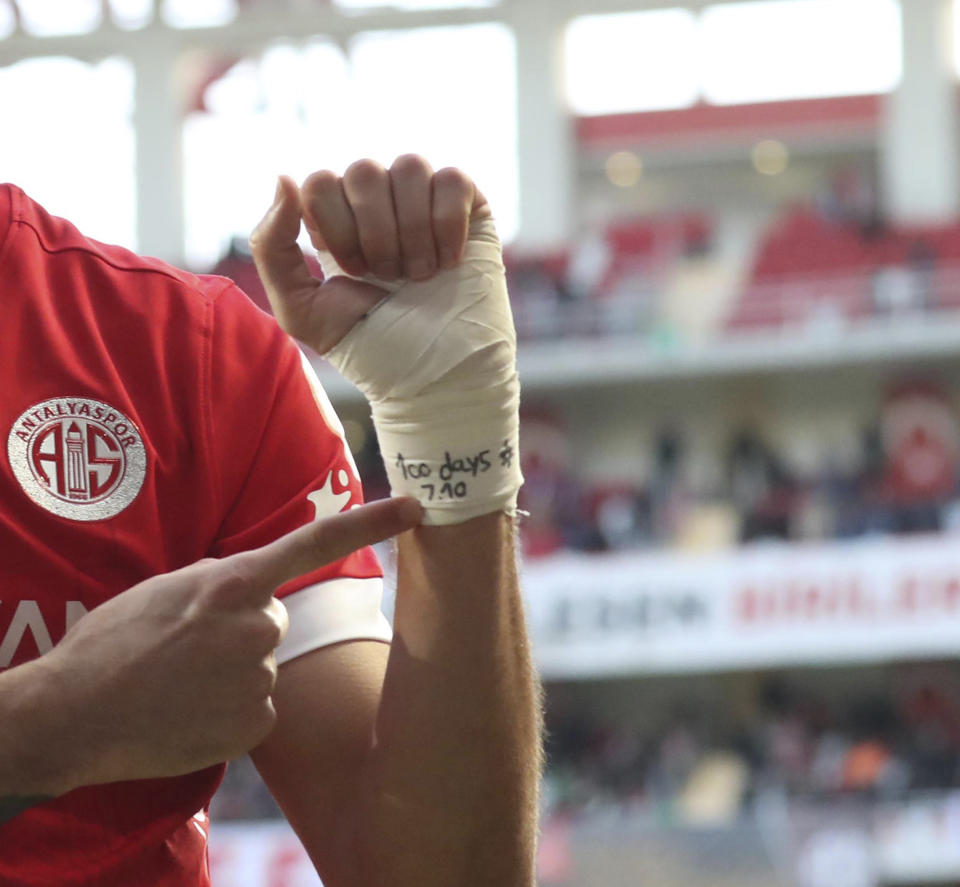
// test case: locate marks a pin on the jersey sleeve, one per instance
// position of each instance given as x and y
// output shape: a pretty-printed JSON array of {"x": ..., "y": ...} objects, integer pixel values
[{"x": 279, "y": 460}]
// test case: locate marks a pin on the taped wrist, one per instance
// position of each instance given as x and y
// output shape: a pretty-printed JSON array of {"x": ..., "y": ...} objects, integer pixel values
[{"x": 436, "y": 359}]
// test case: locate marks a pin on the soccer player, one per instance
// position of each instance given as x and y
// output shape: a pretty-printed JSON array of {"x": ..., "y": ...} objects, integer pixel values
[{"x": 174, "y": 470}]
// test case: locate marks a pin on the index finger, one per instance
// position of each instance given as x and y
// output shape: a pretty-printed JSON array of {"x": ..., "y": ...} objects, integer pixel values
[
  {"x": 331, "y": 222},
  {"x": 326, "y": 541}
]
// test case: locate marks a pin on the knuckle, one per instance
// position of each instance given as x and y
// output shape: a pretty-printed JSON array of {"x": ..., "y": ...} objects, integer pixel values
[
  {"x": 259, "y": 722},
  {"x": 331, "y": 538},
  {"x": 410, "y": 165},
  {"x": 266, "y": 677},
  {"x": 325, "y": 533},
  {"x": 267, "y": 715},
  {"x": 280, "y": 618},
  {"x": 452, "y": 178},
  {"x": 227, "y": 581},
  {"x": 253, "y": 637},
  {"x": 313, "y": 536},
  {"x": 268, "y": 632},
  {"x": 252, "y": 685},
  {"x": 232, "y": 572},
  {"x": 256, "y": 240},
  {"x": 365, "y": 172},
  {"x": 320, "y": 183}
]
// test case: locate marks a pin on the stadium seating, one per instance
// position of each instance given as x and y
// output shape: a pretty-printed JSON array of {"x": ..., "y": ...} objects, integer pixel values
[{"x": 808, "y": 265}]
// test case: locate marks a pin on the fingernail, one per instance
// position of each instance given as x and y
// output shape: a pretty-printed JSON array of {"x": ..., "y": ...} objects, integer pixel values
[
  {"x": 413, "y": 511},
  {"x": 278, "y": 196},
  {"x": 420, "y": 269}
]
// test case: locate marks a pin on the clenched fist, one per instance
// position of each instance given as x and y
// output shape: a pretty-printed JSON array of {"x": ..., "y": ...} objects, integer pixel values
[{"x": 403, "y": 222}]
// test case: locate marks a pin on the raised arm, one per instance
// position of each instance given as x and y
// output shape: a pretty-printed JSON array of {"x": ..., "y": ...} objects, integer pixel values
[
  {"x": 420, "y": 767},
  {"x": 452, "y": 786}
]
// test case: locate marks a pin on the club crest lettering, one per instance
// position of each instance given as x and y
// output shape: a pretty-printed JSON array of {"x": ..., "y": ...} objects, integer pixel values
[{"x": 78, "y": 458}]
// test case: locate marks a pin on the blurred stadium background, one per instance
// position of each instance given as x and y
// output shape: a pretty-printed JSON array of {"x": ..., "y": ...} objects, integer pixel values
[{"x": 733, "y": 238}]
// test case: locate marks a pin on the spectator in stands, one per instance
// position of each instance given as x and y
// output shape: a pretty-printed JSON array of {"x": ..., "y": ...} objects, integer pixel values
[
  {"x": 761, "y": 488},
  {"x": 892, "y": 288},
  {"x": 666, "y": 490},
  {"x": 922, "y": 261},
  {"x": 590, "y": 262},
  {"x": 850, "y": 198}
]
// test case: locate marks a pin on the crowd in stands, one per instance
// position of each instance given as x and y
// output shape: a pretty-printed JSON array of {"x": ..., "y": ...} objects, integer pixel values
[
  {"x": 830, "y": 260},
  {"x": 610, "y": 282},
  {"x": 833, "y": 259},
  {"x": 704, "y": 767},
  {"x": 909, "y": 485}
]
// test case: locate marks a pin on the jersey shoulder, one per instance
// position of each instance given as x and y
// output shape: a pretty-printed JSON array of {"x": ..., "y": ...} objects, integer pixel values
[{"x": 54, "y": 238}]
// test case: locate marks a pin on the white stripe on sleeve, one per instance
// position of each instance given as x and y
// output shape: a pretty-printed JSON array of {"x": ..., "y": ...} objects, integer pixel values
[{"x": 333, "y": 611}]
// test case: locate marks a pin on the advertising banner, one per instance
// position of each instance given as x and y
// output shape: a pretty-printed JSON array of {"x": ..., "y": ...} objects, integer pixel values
[
  {"x": 763, "y": 606},
  {"x": 258, "y": 854},
  {"x": 852, "y": 841}
]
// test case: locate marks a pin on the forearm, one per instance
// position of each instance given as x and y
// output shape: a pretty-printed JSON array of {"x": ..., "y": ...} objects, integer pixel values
[
  {"x": 450, "y": 793},
  {"x": 36, "y": 758}
]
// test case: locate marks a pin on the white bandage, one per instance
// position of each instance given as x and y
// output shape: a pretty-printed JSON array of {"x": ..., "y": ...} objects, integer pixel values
[{"x": 437, "y": 361}]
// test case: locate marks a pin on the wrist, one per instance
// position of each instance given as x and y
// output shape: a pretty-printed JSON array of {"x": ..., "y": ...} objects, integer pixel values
[
  {"x": 456, "y": 452},
  {"x": 436, "y": 359}
]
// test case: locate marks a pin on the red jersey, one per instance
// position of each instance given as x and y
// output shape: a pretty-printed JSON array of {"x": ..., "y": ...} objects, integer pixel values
[{"x": 151, "y": 418}]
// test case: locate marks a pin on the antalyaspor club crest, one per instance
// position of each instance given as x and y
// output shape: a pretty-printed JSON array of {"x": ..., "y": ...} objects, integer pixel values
[{"x": 79, "y": 458}]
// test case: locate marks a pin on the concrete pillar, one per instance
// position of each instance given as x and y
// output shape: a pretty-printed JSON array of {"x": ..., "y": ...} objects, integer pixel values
[
  {"x": 158, "y": 125},
  {"x": 920, "y": 142},
  {"x": 546, "y": 146}
]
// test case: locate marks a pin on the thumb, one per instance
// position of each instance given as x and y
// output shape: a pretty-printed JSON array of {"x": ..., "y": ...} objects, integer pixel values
[
  {"x": 280, "y": 263},
  {"x": 316, "y": 313}
]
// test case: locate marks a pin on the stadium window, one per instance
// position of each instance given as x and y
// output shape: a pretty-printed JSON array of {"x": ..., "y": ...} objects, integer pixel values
[
  {"x": 8, "y": 22},
  {"x": 48, "y": 18},
  {"x": 296, "y": 110},
  {"x": 239, "y": 137},
  {"x": 131, "y": 14},
  {"x": 636, "y": 61},
  {"x": 955, "y": 35},
  {"x": 787, "y": 49},
  {"x": 198, "y": 13},
  {"x": 77, "y": 158},
  {"x": 466, "y": 118},
  {"x": 410, "y": 5}
]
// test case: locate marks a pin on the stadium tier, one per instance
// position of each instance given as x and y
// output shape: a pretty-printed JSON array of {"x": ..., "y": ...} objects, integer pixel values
[{"x": 733, "y": 254}]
